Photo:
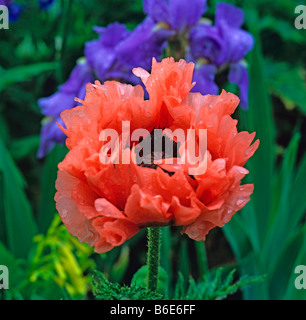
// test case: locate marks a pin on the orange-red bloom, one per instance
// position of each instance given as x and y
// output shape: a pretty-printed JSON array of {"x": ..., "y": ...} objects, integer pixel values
[{"x": 106, "y": 204}]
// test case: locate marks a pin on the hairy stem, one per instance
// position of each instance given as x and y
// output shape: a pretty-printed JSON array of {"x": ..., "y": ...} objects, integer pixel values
[{"x": 153, "y": 257}]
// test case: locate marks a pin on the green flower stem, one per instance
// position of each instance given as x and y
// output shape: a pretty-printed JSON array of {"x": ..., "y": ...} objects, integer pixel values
[
  {"x": 202, "y": 258},
  {"x": 64, "y": 31},
  {"x": 153, "y": 257}
]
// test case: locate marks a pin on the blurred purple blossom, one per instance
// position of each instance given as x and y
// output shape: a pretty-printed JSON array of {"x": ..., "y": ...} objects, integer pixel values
[
  {"x": 5, "y": 2},
  {"x": 204, "y": 76},
  {"x": 63, "y": 99},
  {"x": 102, "y": 54},
  {"x": 14, "y": 9},
  {"x": 50, "y": 135},
  {"x": 45, "y": 4},
  {"x": 224, "y": 45},
  {"x": 178, "y": 15},
  {"x": 144, "y": 43},
  {"x": 239, "y": 75}
]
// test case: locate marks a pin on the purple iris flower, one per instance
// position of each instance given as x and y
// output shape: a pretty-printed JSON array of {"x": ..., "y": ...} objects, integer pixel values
[
  {"x": 206, "y": 43},
  {"x": 239, "y": 75},
  {"x": 103, "y": 57},
  {"x": 5, "y": 2},
  {"x": 224, "y": 45},
  {"x": 178, "y": 15},
  {"x": 204, "y": 76},
  {"x": 225, "y": 42},
  {"x": 45, "y": 4},
  {"x": 50, "y": 135},
  {"x": 148, "y": 40},
  {"x": 14, "y": 9},
  {"x": 63, "y": 99}
]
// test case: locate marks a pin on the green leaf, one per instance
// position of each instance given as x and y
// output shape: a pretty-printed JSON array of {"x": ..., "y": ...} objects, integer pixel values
[
  {"x": 260, "y": 120},
  {"x": 293, "y": 253},
  {"x": 216, "y": 285},
  {"x": 119, "y": 268},
  {"x": 201, "y": 257},
  {"x": 19, "y": 219},
  {"x": 288, "y": 83},
  {"x": 47, "y": 204},
  {"x": 297, "y": 195},
  {"x": 292, "y": 293},
  {"x": 179, "y": 290},
  {"x": 193, "y": 289},
  {"x": 280, "y": 217},
  {"x": 4, "y": 133},
  {"x": 229, "y": 286},
  {"x": 16, "y": 273},
  {"x": 106, "y": 290},
  {"x": 22, "y": 147},
  {"x": 284, "y": 28},
  {"x": 24, "y": 73},
  {"x": 183, "y": 265},
  {"x": 239, "y": 231},
  {"x": 140, "y": 279},
  {"x": 27, "y": 49},
  {"x": 165, "y": 254}
]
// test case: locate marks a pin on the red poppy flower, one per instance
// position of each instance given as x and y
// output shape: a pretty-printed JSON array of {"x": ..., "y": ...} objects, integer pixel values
[{"x": 106, "y": 203}]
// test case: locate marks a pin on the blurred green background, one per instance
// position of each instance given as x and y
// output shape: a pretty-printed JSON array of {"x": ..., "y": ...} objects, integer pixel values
[{"x": 267, "y": 237}]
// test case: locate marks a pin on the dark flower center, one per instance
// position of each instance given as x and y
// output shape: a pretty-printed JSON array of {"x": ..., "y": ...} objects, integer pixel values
[{"x": 156, "y": 146}]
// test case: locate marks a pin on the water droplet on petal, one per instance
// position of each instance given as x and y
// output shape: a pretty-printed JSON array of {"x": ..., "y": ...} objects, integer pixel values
[
  {"x": 240, "y": 202},
  {"x": 64, "y": 213}
]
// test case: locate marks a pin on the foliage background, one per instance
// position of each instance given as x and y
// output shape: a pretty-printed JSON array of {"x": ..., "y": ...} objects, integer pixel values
[{"x": 268, "y": 237}]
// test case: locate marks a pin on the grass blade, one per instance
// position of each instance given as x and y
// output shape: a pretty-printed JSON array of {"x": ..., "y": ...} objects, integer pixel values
[
  {"x": 24, "y": 73},
  {"x": 19, "y": 219},
  {"x": 47, "y": 207},
  {"x": 260, "y": 119}
]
